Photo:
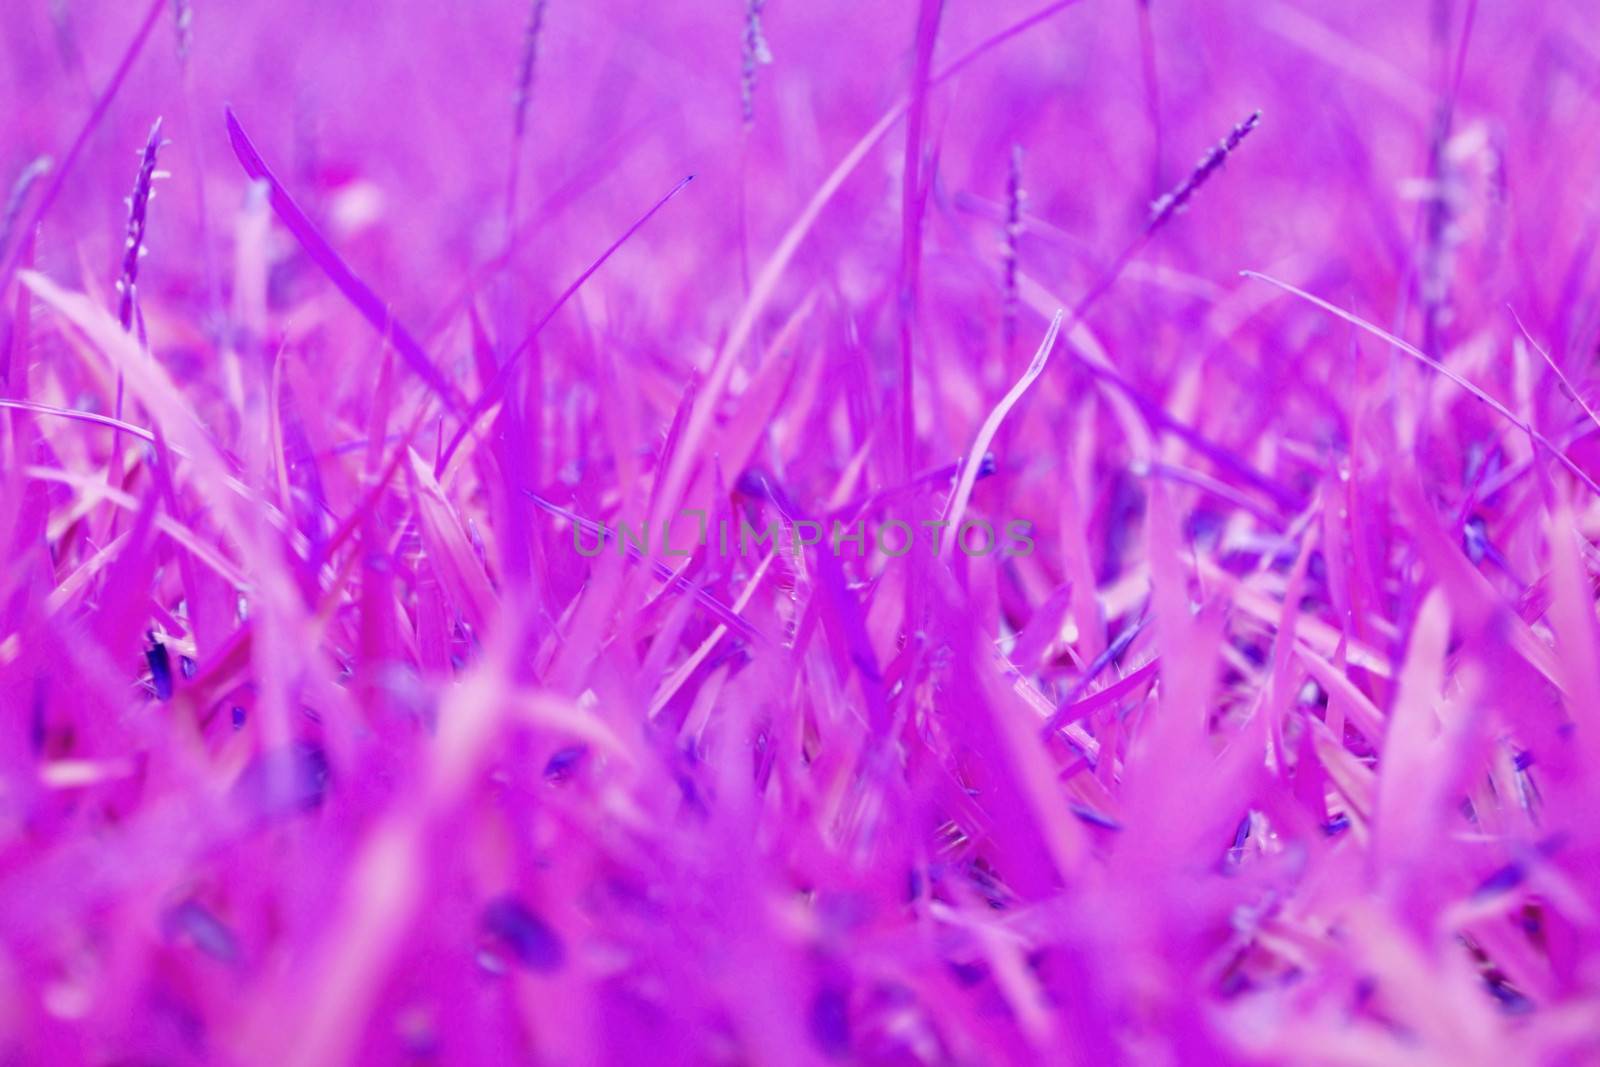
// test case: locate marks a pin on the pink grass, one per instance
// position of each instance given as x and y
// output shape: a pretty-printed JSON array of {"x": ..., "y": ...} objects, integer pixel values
[{"x": 569, "y": 675}]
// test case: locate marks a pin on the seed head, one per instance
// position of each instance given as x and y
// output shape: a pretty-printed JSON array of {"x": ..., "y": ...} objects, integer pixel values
[
  {"x": 1171, "y": 203},
  {"x": 528, "y": 63},
  {"x": 1013, "y": 236},
  {"x": 756, "y": 54},
  {"x": 138, "y": 210},
  {"x": 183, "y": 23}
]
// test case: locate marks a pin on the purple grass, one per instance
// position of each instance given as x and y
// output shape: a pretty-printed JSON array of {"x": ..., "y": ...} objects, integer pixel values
[{"x": 532, "y": 608}]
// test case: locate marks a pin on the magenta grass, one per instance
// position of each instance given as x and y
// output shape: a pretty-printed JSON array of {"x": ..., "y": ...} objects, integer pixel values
[{"x": 1270, "y": 323}]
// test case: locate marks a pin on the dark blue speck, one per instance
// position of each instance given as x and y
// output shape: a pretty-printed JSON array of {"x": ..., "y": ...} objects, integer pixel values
[
  {"x": 564, "y": 762},
  {"x": 208, "y": 933},
  {"x": 160, "y": 670},
  {"x": 529, "y": 938},
  {"x": 830, "y": 1020},
  {"x": 1506, "y": 878}
]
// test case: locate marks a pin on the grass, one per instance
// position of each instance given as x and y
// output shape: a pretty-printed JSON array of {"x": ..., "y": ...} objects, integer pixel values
[{"x": 354, "y": 714}]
